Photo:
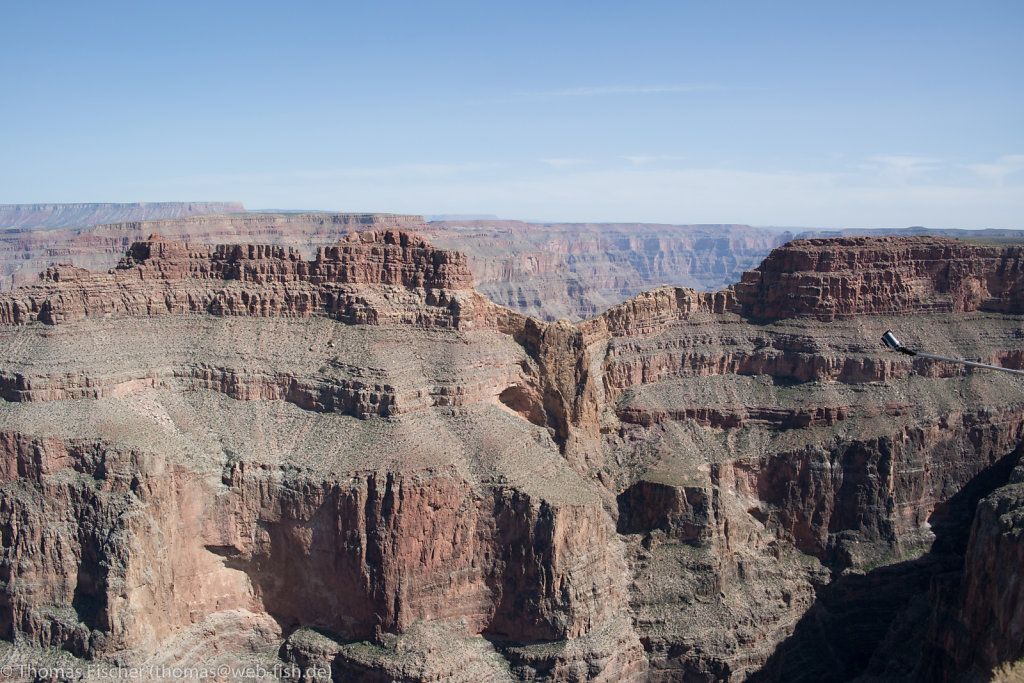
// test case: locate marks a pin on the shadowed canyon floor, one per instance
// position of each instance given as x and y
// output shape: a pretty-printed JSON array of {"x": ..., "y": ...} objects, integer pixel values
[{"x": 358, "y": 463}]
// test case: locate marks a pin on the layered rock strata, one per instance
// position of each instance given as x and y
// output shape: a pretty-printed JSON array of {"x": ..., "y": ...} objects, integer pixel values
[
  {"x": 577, "y": 270},
  {"x": 828, "y": 279},
  {"x": 367, "y": 466},
  {"x": 25, "y": 251},
  {"x": 159, "y": 276},
  {"x": 545, "y": 270},
  {"x": 338, "y": 456}
]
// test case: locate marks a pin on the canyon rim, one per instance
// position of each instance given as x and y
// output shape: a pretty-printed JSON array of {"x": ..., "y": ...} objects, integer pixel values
[{"x": 353, "y": 462}]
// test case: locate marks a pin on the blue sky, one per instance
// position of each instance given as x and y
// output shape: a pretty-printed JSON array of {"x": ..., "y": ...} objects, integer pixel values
[{"x": 854, "y": 114}]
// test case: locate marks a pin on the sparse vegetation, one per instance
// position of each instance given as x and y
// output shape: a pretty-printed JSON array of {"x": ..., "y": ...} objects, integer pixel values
[{"x": 1010, "y": 672}]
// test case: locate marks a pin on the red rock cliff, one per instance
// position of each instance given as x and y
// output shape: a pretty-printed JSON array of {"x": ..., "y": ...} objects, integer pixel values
[
  {"x": 232, "y": 279},
  {"x": 828, "y": 279},
  {"x": 359, "y": 461},
  {"x": 26, "y": 251}
]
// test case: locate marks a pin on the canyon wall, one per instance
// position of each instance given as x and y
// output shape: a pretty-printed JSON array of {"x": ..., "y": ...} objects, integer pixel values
[
  {"x": 357, "y": 461},
  {"x": 549, "y": 271},
  {"x": 844, "y": 277},
  {"x": 27, "y": 251},
  {"x": 577, "y": 270},
  {"x": 810, "y": 476},
  {"x": 546, "y": 270}
]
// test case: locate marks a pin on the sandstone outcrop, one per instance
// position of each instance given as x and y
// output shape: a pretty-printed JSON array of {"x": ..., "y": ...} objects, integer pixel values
[
  {"x": 976, "y": 621},
  {"x": 840, "y": 278},
  {"x": 992, "y": 592},
  {"x": 159, "y": 276},
  {"x": 357, "y": 462},
  {"x": 26, "y": 251},
  {"x": 549, "y": 271},
  {"x": 347, "y": 543}
]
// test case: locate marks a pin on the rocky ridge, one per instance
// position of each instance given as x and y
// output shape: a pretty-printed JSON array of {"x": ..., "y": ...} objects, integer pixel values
[
  {"x": 160, "y": 276},
  {"x": 828, "y": 279},
  {"x": 361, "y": 462},
  {"x": 48, "y": 216},
  {"x": 577, "y": 270},
  {"x": 545, "y": 270},
  {"x": 27, "y": 251}
]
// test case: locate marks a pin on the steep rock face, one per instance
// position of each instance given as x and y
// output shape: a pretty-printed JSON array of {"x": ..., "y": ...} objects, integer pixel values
[
  {"x": 387, "y": 257},
  {"x": 839, "y": 278},
  {"x": 368, "y": 486},
  {"x": 89, "y": 522},
  {"x": 417, "y": 484},
  {"x": 977, "y": 613},
  {"x": 503, "y": 559},
  {"x": 229, "y": 280},
  {"x": 549, "y": 271},
  {"x": 26, "y": 251},
  {"x": 806, "y": 444},
  {"x": 577, "y": 270},
  {"x": 684, "y": 513},
  {"x": 993, "y": 602}
]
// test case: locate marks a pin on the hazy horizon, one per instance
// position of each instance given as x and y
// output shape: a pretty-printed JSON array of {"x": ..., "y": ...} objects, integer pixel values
[{"x": 796, "y": 115}]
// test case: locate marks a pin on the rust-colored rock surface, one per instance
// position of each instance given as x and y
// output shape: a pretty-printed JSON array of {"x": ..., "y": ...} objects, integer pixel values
[
  {"x": 68, "y": 233},
  {"x": 549, "y": 271},
  {"x": 577, "y": 270},
  {"x": 840, "y": 278},
  {"x": 355, "y": 462},
  {"x": 160, "y": 276}
]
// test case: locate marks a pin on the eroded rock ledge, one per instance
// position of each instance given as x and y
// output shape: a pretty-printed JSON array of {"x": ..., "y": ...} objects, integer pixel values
[
  {"x": 159, "y": 276},
  {"x": 835, "y": 278},
  {"x": 680, "y": 488}
]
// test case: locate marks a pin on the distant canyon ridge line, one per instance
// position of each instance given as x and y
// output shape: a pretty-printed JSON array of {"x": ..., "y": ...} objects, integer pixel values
[{"x": 546, "y": 270}]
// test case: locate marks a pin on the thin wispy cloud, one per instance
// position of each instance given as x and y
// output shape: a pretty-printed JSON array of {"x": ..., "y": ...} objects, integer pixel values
[
  {"x": 601, "y": 91},
  {"x": 997, "y": 171},
  {"x": 598, "y": 91},
  {"x": 616, "y": 189},
  {"x": 645, "y": 159},
  {"x": 561, "y": 163},
  {"x": 901, "y": 169},
  {"x": 392, "y": 173},
  {"x": 905, "y": 162},
  {"x": 906, "y": 169},
  {"x": 709, "y": 195}
]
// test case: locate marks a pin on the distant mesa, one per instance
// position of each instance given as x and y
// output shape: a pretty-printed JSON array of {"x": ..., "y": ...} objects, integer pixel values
[
  {"x": 164, "y": 276},
  {"x": 546, "y": 270},
  {"x": 842, "y": 277},
  {"x": 27, "y": 251},
  {"x": 18, "y": 216},
  {"x": 461, "y": 217}
]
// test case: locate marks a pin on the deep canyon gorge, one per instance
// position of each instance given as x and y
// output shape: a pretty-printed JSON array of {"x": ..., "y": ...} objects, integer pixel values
[{"x": 343, "y": 455}]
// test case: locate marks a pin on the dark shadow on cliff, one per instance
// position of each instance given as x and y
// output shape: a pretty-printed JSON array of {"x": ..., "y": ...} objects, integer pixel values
[{"x": 874, "y": 624}]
